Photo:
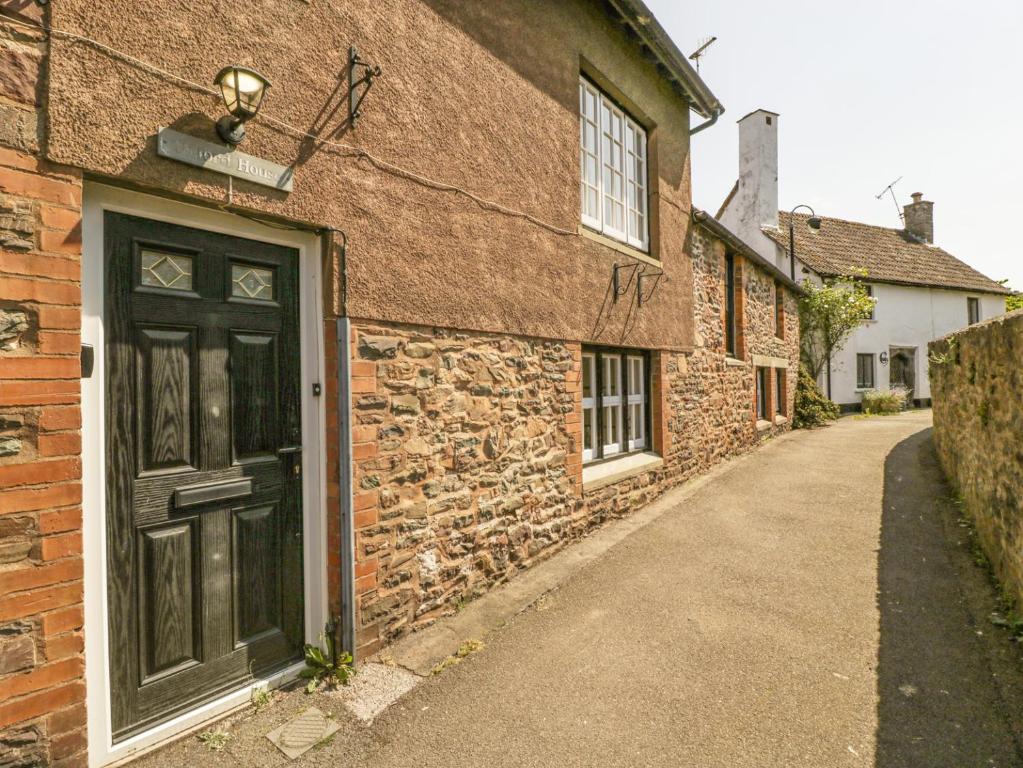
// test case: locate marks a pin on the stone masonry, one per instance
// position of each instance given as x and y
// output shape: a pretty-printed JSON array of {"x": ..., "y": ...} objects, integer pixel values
[
  {"x": 978, "y": 419},
  {"x": 467, "y": 446},
  {"x": 42, "y": 694}
]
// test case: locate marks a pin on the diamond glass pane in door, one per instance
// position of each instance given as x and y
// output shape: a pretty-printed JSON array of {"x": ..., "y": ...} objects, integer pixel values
[
  {"x": 249, "y": 282},
  {"x": 165, "y": 270}
]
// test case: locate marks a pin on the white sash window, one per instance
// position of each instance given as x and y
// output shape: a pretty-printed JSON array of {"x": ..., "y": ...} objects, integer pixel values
[
  {"x": 636, "y": 402},
  {"x": 613, "y": 169},
  {"x": 615, "y": 402},
  {"x": 589, "y": 407}
]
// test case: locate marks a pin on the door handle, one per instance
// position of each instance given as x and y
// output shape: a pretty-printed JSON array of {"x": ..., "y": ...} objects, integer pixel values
[{"x": 289, "y": 450}]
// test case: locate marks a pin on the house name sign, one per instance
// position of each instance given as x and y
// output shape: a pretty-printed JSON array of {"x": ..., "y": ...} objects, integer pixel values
[{"x": 216, "y": 157}]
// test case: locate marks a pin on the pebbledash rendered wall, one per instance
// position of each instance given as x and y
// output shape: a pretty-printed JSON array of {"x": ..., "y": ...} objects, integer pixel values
[
  {"x": 976, "y": 379},
  {"x": 468, "y": 445}
]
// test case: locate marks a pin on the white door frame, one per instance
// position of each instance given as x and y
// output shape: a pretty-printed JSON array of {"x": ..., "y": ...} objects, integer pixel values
[{"x": 98, "y": 198}]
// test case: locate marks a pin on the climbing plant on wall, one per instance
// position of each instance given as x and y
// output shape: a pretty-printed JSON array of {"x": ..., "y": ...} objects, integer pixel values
[{"x": 828, "y": 314}]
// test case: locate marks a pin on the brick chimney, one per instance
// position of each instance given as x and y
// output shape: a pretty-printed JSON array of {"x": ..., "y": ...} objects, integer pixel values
[{"x": 920, "y": 218}]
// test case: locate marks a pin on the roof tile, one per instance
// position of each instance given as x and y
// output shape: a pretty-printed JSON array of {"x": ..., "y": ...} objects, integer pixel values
[{"x": 888, "y": 255}]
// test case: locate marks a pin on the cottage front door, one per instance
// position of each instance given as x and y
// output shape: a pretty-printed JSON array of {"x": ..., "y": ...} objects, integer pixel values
[
  {"x": 203, "y": 454},
  {"x": 903, "y": 370}
]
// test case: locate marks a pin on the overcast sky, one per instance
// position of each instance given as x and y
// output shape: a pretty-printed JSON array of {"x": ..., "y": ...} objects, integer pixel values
[{"x": 868, "y": 91}]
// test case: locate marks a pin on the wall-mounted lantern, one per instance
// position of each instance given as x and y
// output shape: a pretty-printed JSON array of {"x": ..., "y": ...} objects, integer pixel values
[
  {"x": 884, "y": 358},
  {"x": 242, "y": 90}
]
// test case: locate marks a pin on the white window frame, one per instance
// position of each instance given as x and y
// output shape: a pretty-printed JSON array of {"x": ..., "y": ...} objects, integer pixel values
[
  {"x": 589, "y": 404},
  {"x": 614, "y": 399},
  {"x": 636, "y": 400},
  {"x": 612, "y": 405},
  {"x": 616, "y": 145}
]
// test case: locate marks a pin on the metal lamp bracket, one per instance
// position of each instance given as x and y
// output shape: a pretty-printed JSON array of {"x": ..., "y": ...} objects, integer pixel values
[
  {"x": 617, "y": 289},
  {"x": 361, "y": 76},
  {"x": 644, "y": 275}
]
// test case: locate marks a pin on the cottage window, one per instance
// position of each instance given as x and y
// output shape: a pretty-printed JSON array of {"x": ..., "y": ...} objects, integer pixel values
[
  {"x": 779, "y": 310},
  {"x": 779, "y": 391},
  {"x": 613, "y": 169},
  {"x": 615, "y": 403},
  {"x": 869, "y": 289},
  {"x": 762, "y": 383},
  {"x": 972, "y": 310},
  {"x": 864, "y": 371},
  {"x": 730, "y": 345}
]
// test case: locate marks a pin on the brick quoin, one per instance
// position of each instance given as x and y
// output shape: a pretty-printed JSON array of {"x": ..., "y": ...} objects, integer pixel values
[{"x": 40, "y": 485}]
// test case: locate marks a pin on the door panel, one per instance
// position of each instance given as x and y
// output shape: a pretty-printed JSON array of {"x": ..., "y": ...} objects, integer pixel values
[
  {"x": 257, "y": 594},
  {"x": 253, "y": 394},
  {"x": 168, "y": 599},
  {"x": 166, "y": 402},
  {"x": 204, "y": 517}
]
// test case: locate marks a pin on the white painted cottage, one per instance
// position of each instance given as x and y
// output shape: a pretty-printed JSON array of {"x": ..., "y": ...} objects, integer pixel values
[{"x": 922, "y": 291}]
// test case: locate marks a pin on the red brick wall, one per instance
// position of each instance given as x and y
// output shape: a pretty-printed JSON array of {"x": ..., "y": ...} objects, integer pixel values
[{"x": 42, "y": 692}]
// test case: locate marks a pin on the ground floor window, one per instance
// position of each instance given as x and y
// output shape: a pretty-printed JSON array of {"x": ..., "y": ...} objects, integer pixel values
[
  {"x": 615, "y": 402},
  {"x": 779, "y": 391},
  {"x": 762, "y": 383},
  {"x": 864, "y": 371}
]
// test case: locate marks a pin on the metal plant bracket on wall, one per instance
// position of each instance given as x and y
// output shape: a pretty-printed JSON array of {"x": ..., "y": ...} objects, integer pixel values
[
  {"x": 361, "y": 76},
  {"x": 644, "y": 275},
  {"x": 617, "y": 289}
]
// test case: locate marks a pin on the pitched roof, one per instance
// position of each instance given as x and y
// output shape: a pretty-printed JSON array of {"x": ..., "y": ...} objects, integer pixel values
[
  {"x": 888, "y": 255},
  {"x": 639, "y": 19}
]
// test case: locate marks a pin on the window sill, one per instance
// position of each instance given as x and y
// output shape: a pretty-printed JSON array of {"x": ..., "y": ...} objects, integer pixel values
[
  {"x": 763, "y": 426},
  {"x": 610, "y": 472},
  {"x": 735, "y": 362},
  {"x": 780, "y": 419},
  {"x": 615, "y": 245}
]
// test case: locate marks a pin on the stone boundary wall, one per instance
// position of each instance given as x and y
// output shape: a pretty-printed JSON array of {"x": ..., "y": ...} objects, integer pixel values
[
  {"x": 42, "y": 692},
  {"x": 976, "y": 385}
]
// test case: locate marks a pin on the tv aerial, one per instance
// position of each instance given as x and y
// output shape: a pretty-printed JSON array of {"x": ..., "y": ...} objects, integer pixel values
[
  {"x": 699, "y": 53},
  {"x": 890, "y": 189}
]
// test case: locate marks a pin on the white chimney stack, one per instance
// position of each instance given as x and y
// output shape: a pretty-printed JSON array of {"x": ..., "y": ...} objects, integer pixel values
[{"x": 755, "y": 203}]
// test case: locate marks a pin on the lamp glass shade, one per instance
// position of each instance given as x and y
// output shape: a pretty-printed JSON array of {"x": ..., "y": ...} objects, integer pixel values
[
  {"x": 242, "y": 90},
  {"x": 814, "y": 222}
]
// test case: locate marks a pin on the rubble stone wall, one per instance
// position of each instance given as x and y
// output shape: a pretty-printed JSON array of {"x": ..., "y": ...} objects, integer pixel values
[{"x": 976, "y": 380}]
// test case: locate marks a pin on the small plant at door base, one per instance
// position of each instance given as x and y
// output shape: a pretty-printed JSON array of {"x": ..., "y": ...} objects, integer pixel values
[
  {"x": 214, "y": 740},
  {"x": 326, "y": 666},
  {"x": 884, "y": 401},
  {"x": 261, "y": 698},
  {"x": 812, "y": 409}
]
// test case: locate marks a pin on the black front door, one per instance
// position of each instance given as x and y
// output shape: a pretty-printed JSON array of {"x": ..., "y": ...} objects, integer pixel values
[{"x": 204, "y": 512}]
